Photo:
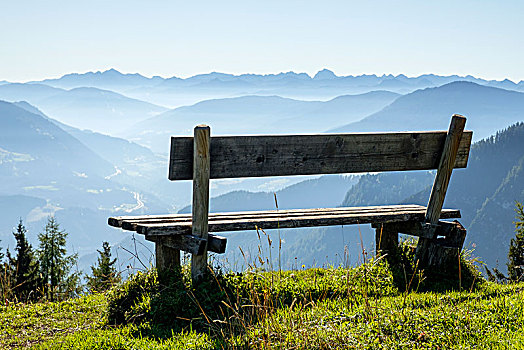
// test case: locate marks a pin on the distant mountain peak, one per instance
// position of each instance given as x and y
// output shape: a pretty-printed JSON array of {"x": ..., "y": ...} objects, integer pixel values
[
  {"x": 111, "y": 71},
  {"x": 325, "y": 74}
]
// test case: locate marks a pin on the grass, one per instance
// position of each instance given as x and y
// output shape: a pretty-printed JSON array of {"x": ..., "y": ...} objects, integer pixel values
[
  {"x": 333, "y": 308},
  {"x": 24, "y": 325}
]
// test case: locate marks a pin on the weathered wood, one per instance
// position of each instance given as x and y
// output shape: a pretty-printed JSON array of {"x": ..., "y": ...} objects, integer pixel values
[
  {"x": 331, "y": 219},
  {"x": 445, "y": 168},
  {"x": 191, "y": 244},
  {"x": 200, "y": 209},
  {"x": 440, "y": 186},
  {"x": 443, "y": 230},
  {"x": 386, "y": 240},
  {"x": 129, "y": 223},
  {"x": 277, "y": 155},
  {"x": 443, "y": 252},
  {"x": 166, "y": 258},
  {"x": 126, "y": 221}
]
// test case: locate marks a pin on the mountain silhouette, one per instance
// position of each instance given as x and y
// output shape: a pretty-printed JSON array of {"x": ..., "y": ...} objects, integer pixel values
[{"x": 488, "y": 109}]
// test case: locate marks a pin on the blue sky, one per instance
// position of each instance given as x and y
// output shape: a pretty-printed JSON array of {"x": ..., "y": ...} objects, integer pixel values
[{"x": 40, "y": 39}]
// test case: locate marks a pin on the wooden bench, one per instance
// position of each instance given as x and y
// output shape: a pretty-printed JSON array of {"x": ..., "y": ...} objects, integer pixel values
[{"x": 201, "y": 158}]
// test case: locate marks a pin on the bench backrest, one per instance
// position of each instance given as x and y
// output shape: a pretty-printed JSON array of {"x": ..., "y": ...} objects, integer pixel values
[{"x": 278, "y": 155}]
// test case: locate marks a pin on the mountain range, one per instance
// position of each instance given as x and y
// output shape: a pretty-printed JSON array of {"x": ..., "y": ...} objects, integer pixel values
[
  {"x": 488, "y": 109},
  {"x": 324, "y": 85},
  {"x": 257, "y": 115},
  {"x": 50, "y": 165},
  {"x": 83, "y": 107},
  {"x": 46, "y": 169}
]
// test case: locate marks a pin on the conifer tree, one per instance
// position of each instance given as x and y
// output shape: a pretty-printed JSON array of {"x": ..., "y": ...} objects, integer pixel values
[
  {"x": 23, "y": 268},
  {"x": 104, "y": 275},
  {"x": 4, "y": 288},
  {"x": 516, "y": 247},
  {"x": 55, "y": 265}
]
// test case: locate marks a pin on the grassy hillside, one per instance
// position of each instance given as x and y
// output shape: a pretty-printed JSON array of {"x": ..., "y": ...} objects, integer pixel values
[{"x": 368, "y": 307}]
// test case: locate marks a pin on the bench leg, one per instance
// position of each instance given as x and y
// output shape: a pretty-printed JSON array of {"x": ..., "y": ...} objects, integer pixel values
[
  {"x": 443, "y": 252},
  {"x": 167, "y": 258},
  {"x": 386, "y": 239}
]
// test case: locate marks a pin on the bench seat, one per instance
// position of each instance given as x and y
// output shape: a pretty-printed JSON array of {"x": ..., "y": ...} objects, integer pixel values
[{"x": 180, "y": 224}]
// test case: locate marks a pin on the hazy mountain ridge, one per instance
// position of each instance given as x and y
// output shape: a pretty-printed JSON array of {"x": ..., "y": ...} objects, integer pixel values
[
  {"x": 38, "y": 159},
  {"x": 175, "y": 92},
  {"x": 257, "y": 115},
  {"x": 324, "y": 192},
  {"x": 83, "y": 107},
  {"x": 114, "y": 79},
  {"x": 488, "y": 109}
]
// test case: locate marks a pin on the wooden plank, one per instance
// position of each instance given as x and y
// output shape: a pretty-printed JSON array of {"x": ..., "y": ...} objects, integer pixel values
[
  {"x": 440, "y": 186},
  {"x": 200, "y": 209},
  {"x": 130, "y": 224},
  {"x": 186, "y": 243},
  {"x": 117, "y": 221},
  {"x": 191, "y": 244},
  {"x": 417, "y": 228},
  {"x": 276, "y": 215},
  {"x": 216, "y": 244},
  {"x": 277, "y": 155},
  {"x": 449, "y": 154},
  {"x": 300, "y": 221}
]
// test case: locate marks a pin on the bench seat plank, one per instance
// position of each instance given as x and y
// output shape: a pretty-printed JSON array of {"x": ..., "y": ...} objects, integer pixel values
[
  {"x": 180, "y": 224},
  {"x": 126, "y": 221}
]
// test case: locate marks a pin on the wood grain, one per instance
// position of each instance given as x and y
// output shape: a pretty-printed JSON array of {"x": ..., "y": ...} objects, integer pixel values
[
  {"x": 129, "y": 223},
  {"x": 191, "y": 244},
  {"x": 200, "y": 208},
  {"x": 440, "y": 186},
  {"x": 166, "y": 258},
  {"x": 266, "y": 223},
  {"x": 278, "y": 155}
]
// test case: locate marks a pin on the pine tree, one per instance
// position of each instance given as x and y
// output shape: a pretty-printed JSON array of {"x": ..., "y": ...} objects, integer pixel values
[
  {"x": 55, "y": 265},
  {"x": 23, "y": 268},
  {"x": 516, "y": 247},
  {"x": 104, "y": 275},
  {"x": 4, "y": 287}
]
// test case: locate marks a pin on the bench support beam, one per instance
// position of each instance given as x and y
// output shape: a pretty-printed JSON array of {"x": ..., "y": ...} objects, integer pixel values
[
  {"x": 200, "y": 208},
  {"x": 440, "y": 186}
]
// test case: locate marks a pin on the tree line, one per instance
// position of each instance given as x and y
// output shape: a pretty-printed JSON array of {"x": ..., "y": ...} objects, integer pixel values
[{"x": 48, "y": 272}]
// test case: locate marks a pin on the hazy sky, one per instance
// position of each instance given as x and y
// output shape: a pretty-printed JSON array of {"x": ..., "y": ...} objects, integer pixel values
[{"x": 40, "y": 39}]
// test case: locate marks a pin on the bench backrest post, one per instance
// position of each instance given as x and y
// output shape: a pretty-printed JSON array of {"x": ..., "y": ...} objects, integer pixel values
[
  {"x": 440, "y": 185},
  {"x": 200, "y": 208}
]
